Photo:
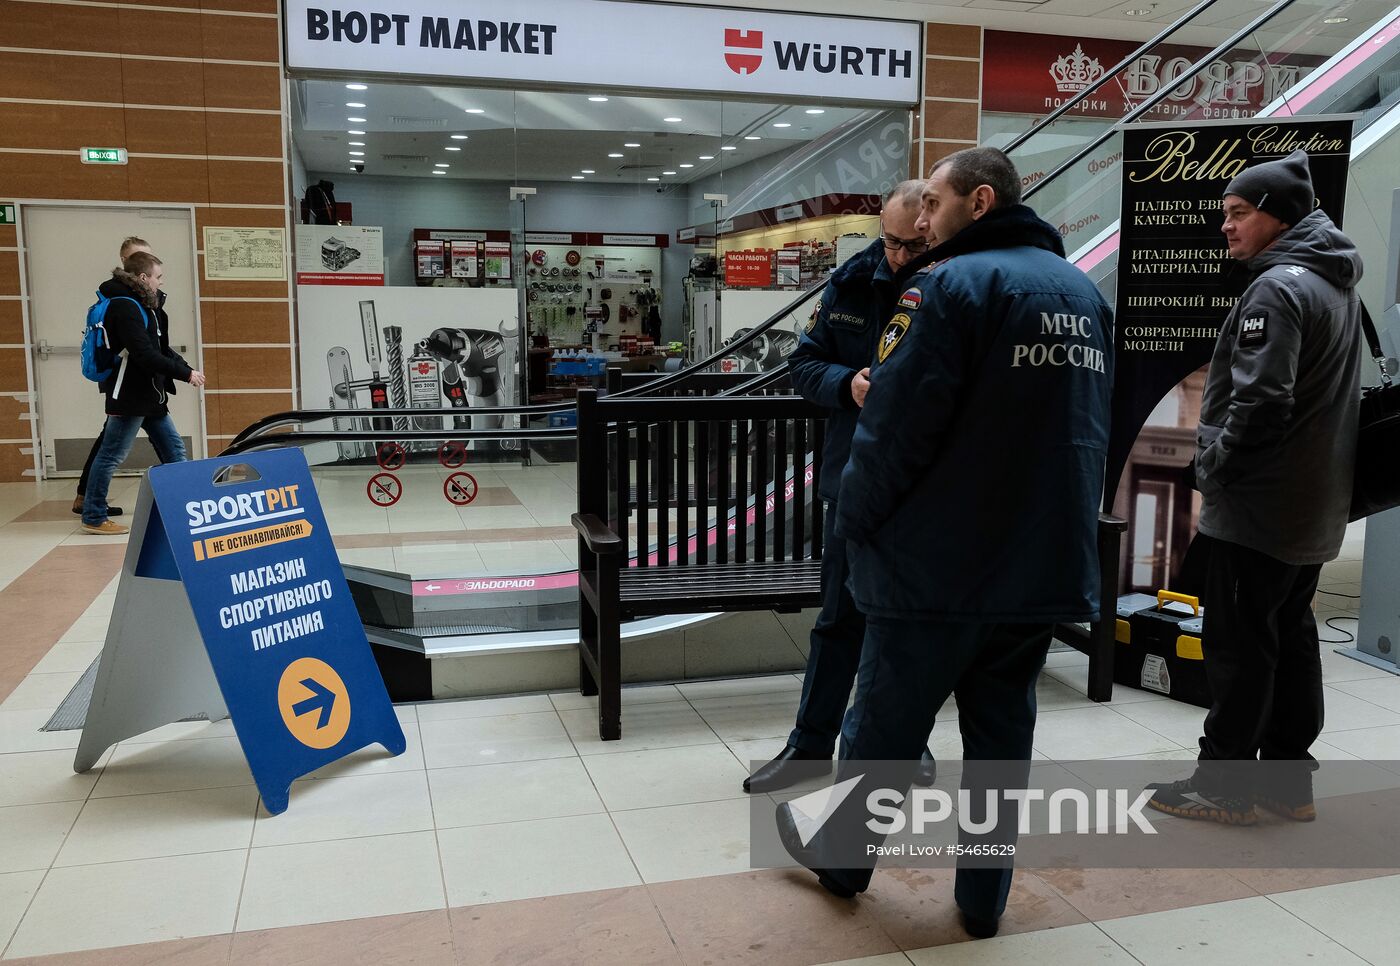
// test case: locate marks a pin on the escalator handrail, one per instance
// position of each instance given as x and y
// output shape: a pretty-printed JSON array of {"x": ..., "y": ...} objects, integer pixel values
[
  {"x": 374, "y": 436},
  {"x": 1108, "y": 76},
  {"x": 1230, "y": 43},
  {"x": 312, "y": 415}
]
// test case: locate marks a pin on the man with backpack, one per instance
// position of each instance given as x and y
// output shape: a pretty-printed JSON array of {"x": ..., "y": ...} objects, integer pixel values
[
  {"x": 130, "y": 246},
  {"x": 142, "y": 375}
]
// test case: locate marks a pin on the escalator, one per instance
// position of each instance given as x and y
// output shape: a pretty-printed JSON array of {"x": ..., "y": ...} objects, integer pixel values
[{"x": 475, "y": 555}]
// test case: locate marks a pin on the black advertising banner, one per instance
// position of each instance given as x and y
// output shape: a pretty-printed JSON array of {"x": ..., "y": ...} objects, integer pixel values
[{"x": 1176, "y": 284}]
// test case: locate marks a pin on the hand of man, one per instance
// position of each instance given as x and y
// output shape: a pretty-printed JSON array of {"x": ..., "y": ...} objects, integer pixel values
[
  {"x": 196, "y": 378},
  {"x": 860, "y": 385}
]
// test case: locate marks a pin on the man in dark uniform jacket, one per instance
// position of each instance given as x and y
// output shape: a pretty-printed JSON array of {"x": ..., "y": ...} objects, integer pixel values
[
  {"x": 970, "y": 507},
  {"x": 831, "y": 367}
]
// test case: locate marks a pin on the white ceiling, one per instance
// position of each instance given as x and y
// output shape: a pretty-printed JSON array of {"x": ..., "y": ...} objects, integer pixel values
[{"x": 534, "y": 136}]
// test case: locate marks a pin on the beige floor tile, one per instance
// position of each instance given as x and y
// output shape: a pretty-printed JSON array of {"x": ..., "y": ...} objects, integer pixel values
[
  {"x": 41, "y": 692},
  {"x": 172, "y": 766},
  {"x": 1226, "y": 933},
  {"x": 1083, "y": 943},
  {"x": 19, "y": 731},
  {"x": 747, "y": 717},
  {"x": 484, "y": 741},
  {"x": 168, "y": 823},
  {"x": 16, "y": 891},
  {"x": 670, "y": 776},
  {"x": 31, "y": 835},
  {"x": 1383, "y": 691},
  {"x": 642, "y": 694},
  {"x": 34, "y": 777},
  {"x": 290, "y": 885},
  {"x": 523, "y": 860},
  {"x": 375, "y": 760},
  {"x": 349, "y": 807},
  {"x": 687, "y": 841},
  {"x": 68, "y": 657},
  {"x": 1357, "y": 915},
  {"x": 1098, "y": 732},
  {"x": 125, "y": 903},
  {"x": 739, "y": 687},
  {"x": 511, "y": 792},
  {"x": 644, "y": 727},
  {"x": 483, "y": 707}
]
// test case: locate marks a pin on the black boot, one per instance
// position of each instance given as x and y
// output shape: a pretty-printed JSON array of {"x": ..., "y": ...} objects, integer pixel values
[
  {"x": 792, "y": 765},
  {"x": 792, "y": 843},
  {"x": 927, "y": 772}
]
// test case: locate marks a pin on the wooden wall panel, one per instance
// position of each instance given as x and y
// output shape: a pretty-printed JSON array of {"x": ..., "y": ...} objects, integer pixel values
[
  {"x": 952, "y": 40},
  {"x": 11, "y": 425},
  {"x": 13, "y": 463},
  {"x": 235, "y": 322},
  {"x": 173, "y": 117},
  {"x": 11, "y": 322}
]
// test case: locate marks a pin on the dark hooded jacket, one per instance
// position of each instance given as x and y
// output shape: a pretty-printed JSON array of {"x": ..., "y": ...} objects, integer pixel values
[
  {"x": 976, "y": 470},
  {"x": 1276, "y": 444},
  {"x": 839, "y": 341},
  {"x": 147, "y": 368}
]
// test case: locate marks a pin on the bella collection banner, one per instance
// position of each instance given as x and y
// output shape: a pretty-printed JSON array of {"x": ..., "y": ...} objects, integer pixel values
[{"x": 1176, "y": 281}]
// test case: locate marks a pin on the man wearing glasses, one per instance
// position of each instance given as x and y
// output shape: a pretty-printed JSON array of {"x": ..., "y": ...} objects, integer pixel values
[{"x": 831, "y": 367}]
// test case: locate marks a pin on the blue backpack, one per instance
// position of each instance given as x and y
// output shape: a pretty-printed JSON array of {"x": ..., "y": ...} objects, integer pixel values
[{"x": 98, "y": 358}]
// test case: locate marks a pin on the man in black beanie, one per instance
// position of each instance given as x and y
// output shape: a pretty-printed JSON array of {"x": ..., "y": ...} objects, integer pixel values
[{"x": 1274, "y": 459}]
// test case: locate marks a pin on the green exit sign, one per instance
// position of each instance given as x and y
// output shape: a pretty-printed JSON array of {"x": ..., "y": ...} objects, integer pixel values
[
  {"x": 104, "y": 155},
  {"x": 7, "y": 214}
]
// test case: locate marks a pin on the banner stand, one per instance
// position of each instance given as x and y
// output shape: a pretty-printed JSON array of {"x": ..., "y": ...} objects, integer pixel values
[{"x": 232, "y": 604}]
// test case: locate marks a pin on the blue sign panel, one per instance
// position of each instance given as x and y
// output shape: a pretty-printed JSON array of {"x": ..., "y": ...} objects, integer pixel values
[{"x": 247, "y": 537}]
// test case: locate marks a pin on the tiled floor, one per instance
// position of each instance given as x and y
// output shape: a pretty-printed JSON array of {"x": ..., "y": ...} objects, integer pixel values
[{"x": 507, "y": 833}]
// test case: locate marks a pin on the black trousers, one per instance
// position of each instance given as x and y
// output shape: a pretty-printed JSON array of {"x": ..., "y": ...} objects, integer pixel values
[{"x": 1262, "y": 659}]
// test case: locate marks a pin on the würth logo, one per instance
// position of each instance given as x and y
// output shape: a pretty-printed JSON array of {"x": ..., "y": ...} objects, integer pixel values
[{"x": 748, "y": 40}]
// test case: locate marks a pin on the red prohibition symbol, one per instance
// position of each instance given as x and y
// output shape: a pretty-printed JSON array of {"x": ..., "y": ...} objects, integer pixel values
[
  {"x": 390, "y": 456},
  {"x": 384, "y": 489},
  {"x": 460, "y": 488},
  {"x": 453, "y": 453}
]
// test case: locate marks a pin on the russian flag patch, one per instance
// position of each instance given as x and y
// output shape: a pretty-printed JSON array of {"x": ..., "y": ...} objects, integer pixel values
[{"x": 911, "y": 299}]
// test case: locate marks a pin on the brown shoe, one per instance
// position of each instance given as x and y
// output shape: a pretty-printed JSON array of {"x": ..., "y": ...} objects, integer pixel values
[
  {"x": 106, "y": 528},
  {"x": 78, "y": 504},
  {"x": 1299, "y": 811}
]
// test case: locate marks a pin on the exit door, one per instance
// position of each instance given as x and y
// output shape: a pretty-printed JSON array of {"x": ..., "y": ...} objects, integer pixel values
[{"x": 70, "y": 250}]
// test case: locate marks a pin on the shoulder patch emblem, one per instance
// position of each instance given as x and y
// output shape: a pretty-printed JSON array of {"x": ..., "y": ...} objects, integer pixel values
[
  {"x": 812, "y": 319},
  {"x": 1254, "y": 330},
  {"x": 894, "y": 331},
  {"x": 911, "y": 299}
]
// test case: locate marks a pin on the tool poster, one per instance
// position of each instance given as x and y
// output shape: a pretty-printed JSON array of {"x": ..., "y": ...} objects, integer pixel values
[
  {"x": 419, "y": 348},
  {"x": 1176, "y": 284}
]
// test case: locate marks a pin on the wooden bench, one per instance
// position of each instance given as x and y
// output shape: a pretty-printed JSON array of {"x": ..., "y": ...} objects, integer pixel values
[{"x": 728, "y": 487}]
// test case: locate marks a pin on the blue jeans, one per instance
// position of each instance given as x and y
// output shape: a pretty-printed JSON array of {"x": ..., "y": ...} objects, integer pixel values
[
  {"x": 833, "y": 655},
  {"x": 908, "y": 669},
  {"x": 118, "y": 436}
]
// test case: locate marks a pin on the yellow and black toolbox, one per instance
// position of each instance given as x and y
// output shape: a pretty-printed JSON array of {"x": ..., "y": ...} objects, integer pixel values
[{"x": 1159, "y": 646}]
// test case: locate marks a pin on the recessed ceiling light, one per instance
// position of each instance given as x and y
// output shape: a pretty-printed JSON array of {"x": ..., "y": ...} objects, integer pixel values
[
  {"x": 673, "y": 120},
  {"x": 729, "y": 147},
  {"x": 781, "y": 124},
  {"x": 668, "y": 172},
  {"x": 585, "y": 170},
  {"x": 687, "y": 166},
  {"x": 1139, "y": 12},
  {"x": 449, "y": 148},
  {"x": 459, "y": 137},
  {"x": 815, "y": 110},
  {"x": 357, "y": 87},
  {"x": 631, "y": 144},
  {"x": 598, "y": 100},
  {"x": 439, "y": 172},
  {"x": 355, "y": 132},
  {"x": 356, "y": 120},
  {"x": 707, "y": 157},
  {"x": 1336, "y": 19},
  {"x": 442, "y": 164},
  {"x": 614, "y": 154},
  {"x": 476, "y": 110},
  {"x": 653, "y": 179},
  {"x": 357, "y": 154},
  {"x": 356, "y": 144},
  {"x": 752, "y": 137},
  {"x": 577, "y": 177},
  {"x": 353, "y": 104}
]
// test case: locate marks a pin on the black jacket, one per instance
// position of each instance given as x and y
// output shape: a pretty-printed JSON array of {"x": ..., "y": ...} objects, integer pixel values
[
  {"x": 976, "y": 470},
  {"x": 147, "y": 368},
  {"x": 839, "y": 342}
]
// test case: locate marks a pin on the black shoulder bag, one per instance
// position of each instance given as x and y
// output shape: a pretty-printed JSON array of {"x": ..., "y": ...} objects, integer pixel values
[{"x": 1376, "y": 485}]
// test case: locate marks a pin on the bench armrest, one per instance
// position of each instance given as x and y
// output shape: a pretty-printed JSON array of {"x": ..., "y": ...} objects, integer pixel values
[{"x": 596, "y": 535}]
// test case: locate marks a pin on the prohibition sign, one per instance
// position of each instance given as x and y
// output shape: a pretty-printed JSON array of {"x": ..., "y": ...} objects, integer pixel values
[
  {"x": 384, "y": 489},
  {"x": 390, "y": 455},
  {"x": 460, "y": 488},
  {"x": 453, "y": 453}
]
